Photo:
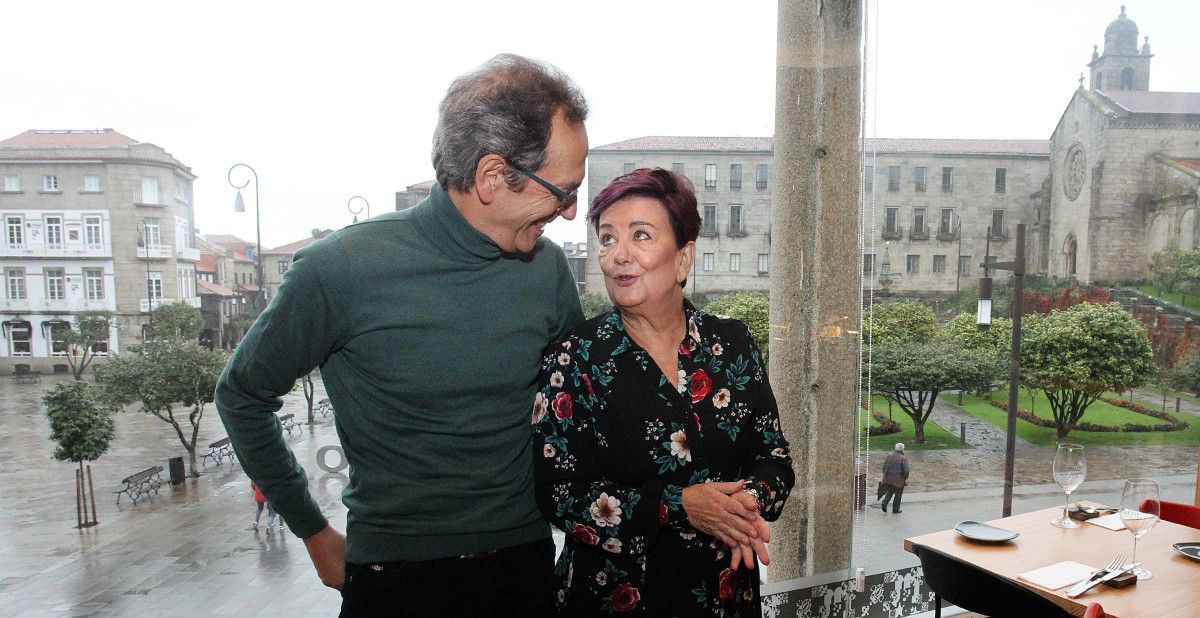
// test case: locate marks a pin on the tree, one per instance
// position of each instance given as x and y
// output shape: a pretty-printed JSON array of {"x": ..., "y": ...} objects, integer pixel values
[
  {"x": 1167, "y": 268},
  {"x": 904, "y": 321},
  {"x": 1077, "y": 354},
  {"x": 1185, "y": 375},
  {"x": 161, "y": 374},
  {"x": 177, "y": 321},
  {"x": 82, "y": 426},
  {"x": 594, "y": 303},
  {"x": 963, "y": 331},
  {"x": 753, "y": 308},
  {"x": 91, "y": 329},
  {"x": 913, "y": 373}
]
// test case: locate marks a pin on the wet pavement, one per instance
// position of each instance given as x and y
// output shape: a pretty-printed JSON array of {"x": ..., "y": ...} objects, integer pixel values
[{"x": 190, "y": 551}]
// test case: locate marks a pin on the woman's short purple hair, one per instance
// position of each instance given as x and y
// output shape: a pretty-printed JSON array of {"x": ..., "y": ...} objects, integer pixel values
[{"x": 671, "y": 190}]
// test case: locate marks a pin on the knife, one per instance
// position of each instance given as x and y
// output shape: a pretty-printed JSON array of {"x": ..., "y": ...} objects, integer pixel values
[{"x": 1088, "y": 585}]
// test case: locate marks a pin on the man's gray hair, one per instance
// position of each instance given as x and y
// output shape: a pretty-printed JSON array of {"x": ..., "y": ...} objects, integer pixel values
[{"x": 504, "y": 108}]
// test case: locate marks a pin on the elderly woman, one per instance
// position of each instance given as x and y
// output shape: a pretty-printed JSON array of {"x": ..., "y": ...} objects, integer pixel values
[{"x": 657, "y": 444}]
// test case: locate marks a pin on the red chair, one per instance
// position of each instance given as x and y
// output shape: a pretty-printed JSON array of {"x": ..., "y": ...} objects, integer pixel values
[
  {"x": 1094, "y": 611},
  {"x": 1179, "y": 513}
]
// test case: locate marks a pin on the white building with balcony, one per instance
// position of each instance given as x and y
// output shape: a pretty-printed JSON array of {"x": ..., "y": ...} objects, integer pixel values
[{"x": 92, "y": 221}]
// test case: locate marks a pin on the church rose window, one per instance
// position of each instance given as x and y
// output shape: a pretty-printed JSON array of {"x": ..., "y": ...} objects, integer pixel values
[{"x": 1074, "y": 171}]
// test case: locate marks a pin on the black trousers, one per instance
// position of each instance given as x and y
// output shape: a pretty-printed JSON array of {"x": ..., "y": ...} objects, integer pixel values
[
  {"x": 888, "y": 492},
  {"x": 514, "y": 581}
]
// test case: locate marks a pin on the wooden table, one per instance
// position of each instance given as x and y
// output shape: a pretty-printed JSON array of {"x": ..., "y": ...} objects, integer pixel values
[{"x": 1173, "y": 591}]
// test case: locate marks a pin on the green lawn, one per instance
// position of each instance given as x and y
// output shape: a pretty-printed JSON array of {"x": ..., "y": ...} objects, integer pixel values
[
  {"x": 1171, "y": 395},
  {"x": 1193, "y": 300},
  {"x": 1100, "y": 412},
  {"x": 936, "y": 437}
]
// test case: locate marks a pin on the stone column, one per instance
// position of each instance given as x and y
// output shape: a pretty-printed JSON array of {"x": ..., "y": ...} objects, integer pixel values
[{"x": 815, "y": 280}]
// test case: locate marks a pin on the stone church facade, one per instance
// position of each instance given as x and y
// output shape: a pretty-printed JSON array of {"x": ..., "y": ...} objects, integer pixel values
[{"x": 1117, "y": 180}]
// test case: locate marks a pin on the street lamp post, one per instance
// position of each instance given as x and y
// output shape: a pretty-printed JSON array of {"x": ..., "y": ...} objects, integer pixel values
[
  {"x": 1017, "y": 266},
  {"x": 355, "y": 212},
  {"x": 144, "y": 244},
  {"x": 240, "y": 206}
]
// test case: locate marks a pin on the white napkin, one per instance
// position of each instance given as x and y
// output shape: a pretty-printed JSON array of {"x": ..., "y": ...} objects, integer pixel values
[
  {"x": 1058, "y": 575},
  {"x": 1111, "y": 521}
]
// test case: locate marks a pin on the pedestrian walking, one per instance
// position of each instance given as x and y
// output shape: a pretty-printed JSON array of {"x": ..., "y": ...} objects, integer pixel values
[
  {"x": 895, "y": 477},
  {"x": 261, "y": 500}
]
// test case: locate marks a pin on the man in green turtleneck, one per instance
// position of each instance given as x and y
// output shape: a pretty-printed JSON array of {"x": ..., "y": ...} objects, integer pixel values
[{"x": 428, "y": 325}]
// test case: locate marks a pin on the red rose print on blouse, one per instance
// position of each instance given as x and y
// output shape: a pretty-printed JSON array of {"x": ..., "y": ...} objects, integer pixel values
[
  {"x": 728, "y": 585},
  {"x": 586, "y": 534},
  {"x": 562, "y": 406},
  {"x": 587, "y": 383},
  {"x": 701, "y": 385},
  {"x": 662, "y": 513},
  {"x": 625, "y": 597}
]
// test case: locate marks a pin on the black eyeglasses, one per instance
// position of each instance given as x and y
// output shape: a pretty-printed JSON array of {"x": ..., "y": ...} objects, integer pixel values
[{"x": 565, "y": 198}]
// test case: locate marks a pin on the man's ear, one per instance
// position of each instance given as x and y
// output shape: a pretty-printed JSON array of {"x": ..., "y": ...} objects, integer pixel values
[{"x": 489, "y": 177}]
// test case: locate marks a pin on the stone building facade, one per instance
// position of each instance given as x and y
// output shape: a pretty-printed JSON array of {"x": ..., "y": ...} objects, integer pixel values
[{"x": 93, "y": 220}]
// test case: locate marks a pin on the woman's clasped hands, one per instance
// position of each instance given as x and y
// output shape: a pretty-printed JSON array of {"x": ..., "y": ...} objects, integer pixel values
[{"x": 724, "y": 511}]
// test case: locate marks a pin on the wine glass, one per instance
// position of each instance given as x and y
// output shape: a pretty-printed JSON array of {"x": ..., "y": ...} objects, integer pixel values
[
  {"x": 1069, "y": 470},
  {"x": 1139, "y": 513}
]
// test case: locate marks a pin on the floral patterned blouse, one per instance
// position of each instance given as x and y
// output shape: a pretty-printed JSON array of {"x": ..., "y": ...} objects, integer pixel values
[{"x": 615, "y": 443}]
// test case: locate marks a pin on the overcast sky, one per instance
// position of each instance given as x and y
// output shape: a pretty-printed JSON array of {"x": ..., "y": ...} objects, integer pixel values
[{"x": 330, "y": 100}]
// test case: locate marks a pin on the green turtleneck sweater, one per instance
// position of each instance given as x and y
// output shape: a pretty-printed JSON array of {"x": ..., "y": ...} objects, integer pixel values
[{"x": 429, "y": 340}]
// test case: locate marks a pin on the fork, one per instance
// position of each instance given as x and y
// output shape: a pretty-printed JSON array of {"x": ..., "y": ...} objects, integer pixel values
[{"x": 1116, "y": 563}]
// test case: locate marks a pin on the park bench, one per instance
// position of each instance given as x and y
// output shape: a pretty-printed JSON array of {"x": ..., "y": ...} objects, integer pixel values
[
  {"x": 289, "y": 422},
  {"x": 141, "y": 484},
  {"x": 217, "y": 450},
  {"x": 324, "y": 407}
]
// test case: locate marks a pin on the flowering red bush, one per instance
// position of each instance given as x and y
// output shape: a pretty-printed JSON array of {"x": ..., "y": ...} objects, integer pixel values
[{"x": 1173, "y": 424}]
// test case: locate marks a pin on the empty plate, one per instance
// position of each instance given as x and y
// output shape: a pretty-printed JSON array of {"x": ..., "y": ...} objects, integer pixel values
[
  {"x": 1191, "y": 550},
  {"x": 983, "y": 532}
]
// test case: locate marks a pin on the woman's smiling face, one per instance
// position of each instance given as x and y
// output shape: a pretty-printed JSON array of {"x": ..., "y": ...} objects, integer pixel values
[{"x": 642, "y": 266}]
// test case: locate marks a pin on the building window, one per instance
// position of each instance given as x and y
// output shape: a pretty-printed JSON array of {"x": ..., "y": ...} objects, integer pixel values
[
  {"x": 946, "y": 225},
  {"x": 677, "y": 168},
  {"x": 868, "y": 264},
  {"x": 12, "y": 183},
  {"x": 58, "y": 343},
  {"x": 709, "y": 260},
  {"x": 997, "y": 223},
  {"x": 93, "y": 232},
  {"x": 149, "y": 190},
  {"x": 893, "y": 178},
  {"x": 869, "y": 178},
  {"x": 91, "y": 183},
  {"x": 761, "y": 172},
  {"x": 918, "y": 220},
  {"x": 710, "y": 175},
  {"x": 735, "y": 175},
  {"x": 763, "y": 262},
  {"x": 912, "y": 265},
  {"x": 100, "y": 348},
  {"x": 15, "y": 283},
  {"x": 54, "y": 232},
  {"x": 93, "y": 283},
  {"x": 947, "y": 179},
  {"x": 49, "y": 182},
  {"x": 735, "y": 262},
  {"x": 154, "y": 285},
  {"x": 919, "y": 177},
  {"x": 735, "y": 219},
  {"x": 1001, "y": 175},
  {"x": 890, "y": 223},
  {"x": 56, "y": 285},
  {"x": 14, "y": 231},
  {"x": 708, "y": 225},
  {"x": 964, "y": 265},
  {"x": 150, "y": 236},
  {"x": 939, "y": 264},
  {"x": 283, "y": 266},
  {"x": 21, "y": 336},
  {"x": 1127, "y": 78},
  {"x": 627, "y": 168}
]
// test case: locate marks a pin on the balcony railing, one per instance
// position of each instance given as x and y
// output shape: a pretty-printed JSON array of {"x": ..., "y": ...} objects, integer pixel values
[
  {"x": 918, "y": 233},
  {"x": 893, "y": 234},
  {"x": 145, "y": 304},
  {"x": 155, "y": 252},
  {"x": 187, "y": 253},
  {"x": 735, "y": 231},
  {"x": 68, "y": 251},
  {"x": 14, "y": 305},
  {"x": 947, "y": 234},
  {"x": 74, "y": 304},
  {"x": 761, "y": 185},
  {"x": 708, "y": 231},
  {"x": 1000, "y": 234}
]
